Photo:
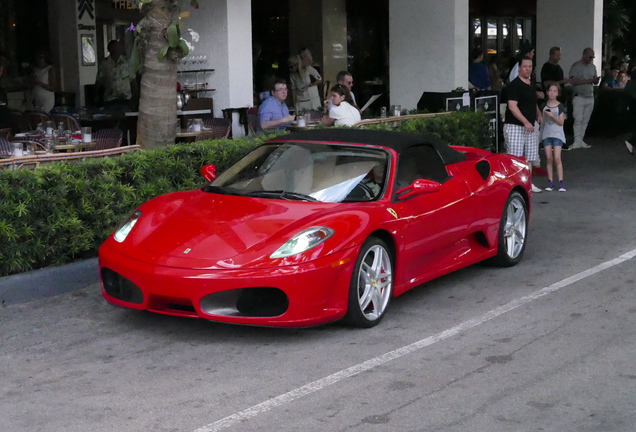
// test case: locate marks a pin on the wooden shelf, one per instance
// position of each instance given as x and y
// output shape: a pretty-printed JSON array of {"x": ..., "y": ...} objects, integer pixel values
[
  {"x": 197, "y": 91},
  {"x": 195, "y": 71}
]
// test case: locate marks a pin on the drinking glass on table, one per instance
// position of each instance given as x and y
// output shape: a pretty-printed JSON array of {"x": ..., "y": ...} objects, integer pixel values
[{"x": 87, "y": 136}]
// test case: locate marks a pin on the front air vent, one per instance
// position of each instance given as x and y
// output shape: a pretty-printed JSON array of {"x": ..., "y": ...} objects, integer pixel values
[{"x": 121, "y": 288}]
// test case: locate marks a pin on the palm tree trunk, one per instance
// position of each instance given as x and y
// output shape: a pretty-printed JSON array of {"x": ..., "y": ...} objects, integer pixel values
[{"x": 158, "y": 93}]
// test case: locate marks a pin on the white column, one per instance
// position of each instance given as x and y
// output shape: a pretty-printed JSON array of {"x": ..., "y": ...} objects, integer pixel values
[
  {"x": 334, "y": 39},
  {"x": 225, "y": 29},
  {"x": 428, "y": 48},
  {"x": 67, "y": 23},
  {"x": 571, "y": 24}
]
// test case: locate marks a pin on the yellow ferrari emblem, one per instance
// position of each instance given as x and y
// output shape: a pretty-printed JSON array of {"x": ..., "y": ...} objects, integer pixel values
[
  {"x": 187, "y": 251},
  {"x": 393, "y": 212}
]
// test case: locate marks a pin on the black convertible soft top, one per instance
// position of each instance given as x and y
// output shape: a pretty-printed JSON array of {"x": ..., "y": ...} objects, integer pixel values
[{"x": 398, "y": 141}]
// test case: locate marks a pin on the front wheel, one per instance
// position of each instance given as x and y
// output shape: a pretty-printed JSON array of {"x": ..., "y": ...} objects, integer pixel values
[
  {"x": 513, "y": 231},
  {"x": 371, "y": 285}
]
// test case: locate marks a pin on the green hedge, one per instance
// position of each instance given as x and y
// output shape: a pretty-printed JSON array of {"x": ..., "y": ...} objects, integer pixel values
[
  {"x": 464, "y": 128},
  {"x": 62, "y": 212}
]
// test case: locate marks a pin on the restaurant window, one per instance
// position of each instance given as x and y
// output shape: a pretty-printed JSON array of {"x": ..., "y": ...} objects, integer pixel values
[{"x": 502, "y": 38}]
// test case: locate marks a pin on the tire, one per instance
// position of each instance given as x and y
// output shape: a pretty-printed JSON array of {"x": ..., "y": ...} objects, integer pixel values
[
  {"x": 513, "y": 231},
  {"x": 371, "y": 285}
]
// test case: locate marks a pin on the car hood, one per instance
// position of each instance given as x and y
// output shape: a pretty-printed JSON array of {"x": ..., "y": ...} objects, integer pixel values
[{"x": 202, "y": 230}]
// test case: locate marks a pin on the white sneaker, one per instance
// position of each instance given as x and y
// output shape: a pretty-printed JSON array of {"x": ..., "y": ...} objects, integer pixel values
[
  {"x": 630, "y": 147},
  {"x": 535, "y": 189},
  {"x": 579, "y": 144}
]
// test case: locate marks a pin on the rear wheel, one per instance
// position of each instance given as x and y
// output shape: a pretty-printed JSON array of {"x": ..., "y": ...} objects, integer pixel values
[
  {"x": 371, "y": 285},
  {"x": 513, "y": 230}
]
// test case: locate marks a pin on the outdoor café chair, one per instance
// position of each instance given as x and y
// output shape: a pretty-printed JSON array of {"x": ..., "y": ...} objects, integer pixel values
[
  {"x": 108, "y": 138},
  {"x": 315, "y": 116},
  {"x": 19, "y": 122},
  {"x": 36, "y": 117},
  {"x": 6, "y": 149},
  {"x": 253, "y": 121},
  {"x": 5, "y": 133},
  {"x": 220, "y": 127},
  {"x": 69, "y": 122}
]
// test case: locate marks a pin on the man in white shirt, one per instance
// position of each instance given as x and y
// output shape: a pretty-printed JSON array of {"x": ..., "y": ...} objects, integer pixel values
[{"x": 583, "y": 78}]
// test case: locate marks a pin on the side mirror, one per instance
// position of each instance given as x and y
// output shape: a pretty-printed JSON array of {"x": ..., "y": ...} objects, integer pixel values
[
  {"x": 208, "y": 172},
  {"x": 418, "y": 187}
]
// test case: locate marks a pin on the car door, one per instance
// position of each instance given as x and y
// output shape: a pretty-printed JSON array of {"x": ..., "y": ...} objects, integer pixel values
[{"x": 433, "y": 226}]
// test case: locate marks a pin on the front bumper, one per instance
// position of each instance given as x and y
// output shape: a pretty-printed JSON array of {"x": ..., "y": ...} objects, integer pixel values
[{"x": 287, "y": 296}]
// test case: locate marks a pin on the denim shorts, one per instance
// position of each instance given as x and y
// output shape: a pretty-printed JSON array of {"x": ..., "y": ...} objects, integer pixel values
[{"x": 552, "y": 142}]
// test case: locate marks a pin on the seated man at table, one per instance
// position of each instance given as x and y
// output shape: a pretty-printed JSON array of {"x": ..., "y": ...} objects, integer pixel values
[
  {"x": 346, "y": 79},
  {"x": 273, "y": 112}
]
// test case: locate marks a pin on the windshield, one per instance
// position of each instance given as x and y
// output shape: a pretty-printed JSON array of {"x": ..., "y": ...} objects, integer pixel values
[{"x": 307, "y": 171}]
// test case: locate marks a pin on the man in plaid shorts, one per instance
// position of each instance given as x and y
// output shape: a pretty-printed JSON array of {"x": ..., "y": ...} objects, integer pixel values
[{"x": 521, "y": 114}]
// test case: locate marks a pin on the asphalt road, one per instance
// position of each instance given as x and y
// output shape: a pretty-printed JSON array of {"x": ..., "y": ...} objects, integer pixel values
[{"x": 548, "y": 345}]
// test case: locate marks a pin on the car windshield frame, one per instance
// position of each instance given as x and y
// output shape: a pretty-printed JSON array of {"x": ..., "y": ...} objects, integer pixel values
[{"x": 308, "y": 171}]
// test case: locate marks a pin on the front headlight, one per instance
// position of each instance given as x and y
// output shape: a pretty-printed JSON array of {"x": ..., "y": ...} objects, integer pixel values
[
  {"x": 126, "y": 226},
  {"x": 303, "y": 241}
]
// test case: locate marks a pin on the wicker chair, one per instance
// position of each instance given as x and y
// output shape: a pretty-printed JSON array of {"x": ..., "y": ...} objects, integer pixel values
[
  {"x": 69, "y": 122},
  {"x": 108, "y": 138},
  {"x": 35, "y": 117},
  {"x": 5, "y": 133},
  {"x": 326, "y": 90},
  {"x": 28, "y": 163},
  {"x": 38, "y": 145},
  {"x": 7, "y": 164},
  {"x": 253, "y": 121},
  {"x": 19, "y": 122},
  {"x": 315, "y": 115},
  {"x": 6, "y": 149},
  {"x": 220, "y": 128}
]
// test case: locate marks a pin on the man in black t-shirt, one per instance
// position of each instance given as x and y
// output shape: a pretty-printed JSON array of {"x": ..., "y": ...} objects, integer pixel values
[
  {"x": 522, "y": 112},
  {"x": 551, "y": 72}
]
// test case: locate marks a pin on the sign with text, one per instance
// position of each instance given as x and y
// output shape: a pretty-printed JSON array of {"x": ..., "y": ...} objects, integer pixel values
[
  {"x": 124, "y": 4},
  {"x": 490, "y": 106}
]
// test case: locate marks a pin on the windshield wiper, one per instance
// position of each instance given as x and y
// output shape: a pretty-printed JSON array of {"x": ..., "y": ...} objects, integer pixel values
[
  {"x": 282, "y": 194},
  {"x": 221, "y": 190}
]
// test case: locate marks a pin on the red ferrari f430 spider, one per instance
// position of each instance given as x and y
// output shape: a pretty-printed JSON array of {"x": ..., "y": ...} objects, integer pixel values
[{"x": 317, "y": 226}]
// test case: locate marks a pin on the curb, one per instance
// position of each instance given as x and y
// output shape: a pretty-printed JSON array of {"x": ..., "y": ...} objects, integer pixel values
[{"x": 47, "y": 282}]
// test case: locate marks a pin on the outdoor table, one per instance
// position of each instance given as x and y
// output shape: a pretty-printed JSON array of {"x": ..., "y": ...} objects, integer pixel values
[
  {"x": 185, "y": 136},
  {"x": 62, "y": 145},
  {"x": 187, "y": 113},
  {"x": 74, "y": 147},
  {"x": 179, "y": 113},
  {"x": 294, "y": 126}
]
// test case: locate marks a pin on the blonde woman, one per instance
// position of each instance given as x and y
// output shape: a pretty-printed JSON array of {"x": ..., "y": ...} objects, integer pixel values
[
  {"x": 43, "y": 82},
  {"x": 304, "y": 88}
]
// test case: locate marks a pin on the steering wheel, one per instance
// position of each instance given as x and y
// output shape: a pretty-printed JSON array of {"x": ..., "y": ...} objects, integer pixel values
[{"x": 368, "y": 193}]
